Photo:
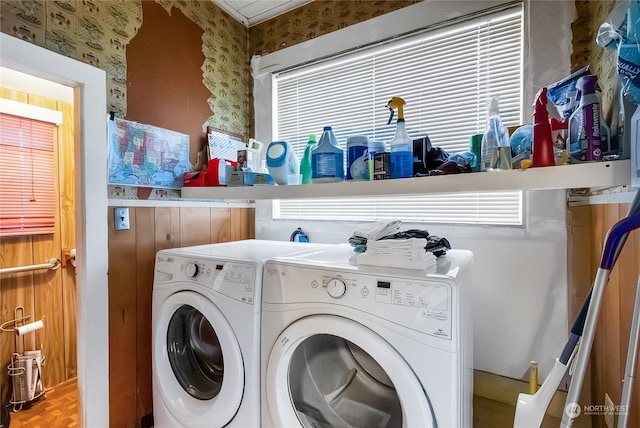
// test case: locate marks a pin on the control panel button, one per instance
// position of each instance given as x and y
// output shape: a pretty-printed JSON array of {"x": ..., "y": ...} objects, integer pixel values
[
  {"x": 364, "y": 291},
  {"x": 191, "y": 270},
  {"x": 336, "y": 288}
]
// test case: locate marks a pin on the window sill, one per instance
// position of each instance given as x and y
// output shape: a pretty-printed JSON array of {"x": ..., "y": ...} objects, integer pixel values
[{"x": 594, "y": 174}]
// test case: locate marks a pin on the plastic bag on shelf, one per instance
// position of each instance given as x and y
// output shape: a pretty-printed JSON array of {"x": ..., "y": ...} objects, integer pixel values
[{"x": 621, "y": 31}]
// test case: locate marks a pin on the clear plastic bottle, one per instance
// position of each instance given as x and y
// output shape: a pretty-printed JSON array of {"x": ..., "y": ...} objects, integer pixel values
[
  {"x": 305, "y": 163},
  {"x": 496, "y": 149},
  {"x": 401, "y": 152},
  {"x": 327, "y": 159}
]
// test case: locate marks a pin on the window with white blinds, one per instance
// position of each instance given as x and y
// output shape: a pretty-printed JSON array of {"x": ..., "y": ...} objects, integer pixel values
[
  {"x": 27, "y": 176},
  {"x": 445, "y": 76}
]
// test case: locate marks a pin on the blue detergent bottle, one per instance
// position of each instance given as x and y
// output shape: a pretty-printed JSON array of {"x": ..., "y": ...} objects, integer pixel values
[
  {"x": 327, "y": 159},
  {"x": 401, "y": 145}
]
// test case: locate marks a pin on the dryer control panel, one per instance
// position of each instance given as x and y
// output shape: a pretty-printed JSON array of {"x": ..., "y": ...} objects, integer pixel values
[{"x": 427, "y": 305}]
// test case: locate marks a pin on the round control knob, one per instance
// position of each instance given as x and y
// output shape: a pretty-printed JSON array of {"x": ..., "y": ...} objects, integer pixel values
[
  {"x": 191, "y": 270},
  {"x": 336, "y": 288}
]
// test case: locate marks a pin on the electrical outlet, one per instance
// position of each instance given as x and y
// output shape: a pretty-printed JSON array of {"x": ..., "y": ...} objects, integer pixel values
[
  {"x": 608, "y": 411},
  {"x": 121, "y": 218}
]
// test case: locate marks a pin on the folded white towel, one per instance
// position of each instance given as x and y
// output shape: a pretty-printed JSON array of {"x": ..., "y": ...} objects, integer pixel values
[
  {"x": 427, "y": 261},
  {"x": 397, "y": 246},
  {"x": 378, "y": 229},
  {"x": 398, "y": 253}
]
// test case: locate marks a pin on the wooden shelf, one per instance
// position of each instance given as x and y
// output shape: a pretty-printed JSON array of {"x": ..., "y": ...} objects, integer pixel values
[{"x": 593, "y": 174}]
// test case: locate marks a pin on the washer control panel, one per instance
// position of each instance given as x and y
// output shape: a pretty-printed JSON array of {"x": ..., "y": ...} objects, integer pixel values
[
  {"x": 233, "y": 279},
  {"x": 336, "y": 288}
]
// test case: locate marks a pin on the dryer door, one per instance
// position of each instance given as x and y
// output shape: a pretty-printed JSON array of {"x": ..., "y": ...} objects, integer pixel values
[
  {"x": 197, "y": 360},
  {"x": 329, "y": 371}
]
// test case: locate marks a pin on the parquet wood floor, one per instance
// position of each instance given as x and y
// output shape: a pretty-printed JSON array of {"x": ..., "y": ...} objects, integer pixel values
[{"x": 59, "y": 409}]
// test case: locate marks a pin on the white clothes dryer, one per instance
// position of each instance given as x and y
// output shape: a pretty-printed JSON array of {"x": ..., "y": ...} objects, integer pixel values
[
  {"x": 350, "y": 346},
  {"x": 206, "y": 333}
]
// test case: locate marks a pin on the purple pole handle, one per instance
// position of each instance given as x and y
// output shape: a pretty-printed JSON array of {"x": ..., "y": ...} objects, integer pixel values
[{"x": 616, "y": 238}]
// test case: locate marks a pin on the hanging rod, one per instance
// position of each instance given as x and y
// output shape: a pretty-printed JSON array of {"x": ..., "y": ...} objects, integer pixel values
[{"x": 53, "y": 265}]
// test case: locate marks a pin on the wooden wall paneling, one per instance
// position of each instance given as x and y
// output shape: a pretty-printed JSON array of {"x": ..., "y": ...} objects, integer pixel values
[
  {"x": 610, "y": 321},
  {"x": 69, "y": 302},
  {"x": 242, "y": 223},
  {"x": 145, "y": 262},
  {"x": 220, "y": 225},
  {"x": 15, "y": 290},
  {"x": 629, "y": 267},
  {"x": 251, "y": 222},
  {"x": 10, "y": 94},
  {"x": 48, "y": 284},
  {"x": 122, "y": 323},
  {"x": 195, "y": 226},
  {"x": 66, "y": 184},
  {"x": 579, "y": 253},
  {"x": 167, "y": 229}
]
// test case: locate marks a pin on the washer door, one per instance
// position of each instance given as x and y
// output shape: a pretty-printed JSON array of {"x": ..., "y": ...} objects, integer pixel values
[
  {"x": 329, "y": 371},
  {"x": 197, "y": 360}
]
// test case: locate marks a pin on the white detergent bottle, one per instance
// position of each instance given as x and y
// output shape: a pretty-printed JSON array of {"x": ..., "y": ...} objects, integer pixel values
[
  {"x": 327, "y": 159},
  {"x": 401, "y": 145}
]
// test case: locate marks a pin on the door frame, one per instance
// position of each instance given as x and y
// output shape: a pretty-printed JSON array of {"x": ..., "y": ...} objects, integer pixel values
[{"x": 90, "y": 116}]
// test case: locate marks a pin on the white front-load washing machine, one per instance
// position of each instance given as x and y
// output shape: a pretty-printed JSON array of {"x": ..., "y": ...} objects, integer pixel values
[
  {"x": 206, "y": 333},
  {"x": 349, "y": 346}
]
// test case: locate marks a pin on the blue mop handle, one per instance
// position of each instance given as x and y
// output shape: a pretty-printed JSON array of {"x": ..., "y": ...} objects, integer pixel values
[{"x": 616, "y": 238}]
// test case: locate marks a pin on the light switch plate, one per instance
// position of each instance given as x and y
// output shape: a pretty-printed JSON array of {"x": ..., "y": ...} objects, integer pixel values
[{"x": 121, "y": 218}]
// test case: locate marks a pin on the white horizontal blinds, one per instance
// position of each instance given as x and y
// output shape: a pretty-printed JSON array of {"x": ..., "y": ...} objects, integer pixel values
[
  {"x": 462, "y": 72},
  {"x": 27, "y": 176},
  {"x": 340, "y": 96},
  {"x": 444, "y": 75},
  {"x": 502, "y": 208}
]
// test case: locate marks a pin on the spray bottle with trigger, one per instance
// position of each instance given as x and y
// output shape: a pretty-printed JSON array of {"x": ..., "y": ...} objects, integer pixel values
[
  {"x": 401, "y": 145},
  {"x": 543, "y": 154}
]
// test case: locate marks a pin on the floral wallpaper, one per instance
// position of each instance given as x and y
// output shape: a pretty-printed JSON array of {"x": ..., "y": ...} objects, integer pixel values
[
  {"x": 97, "y": 32},
  {"x": 315, "y": 19}
]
